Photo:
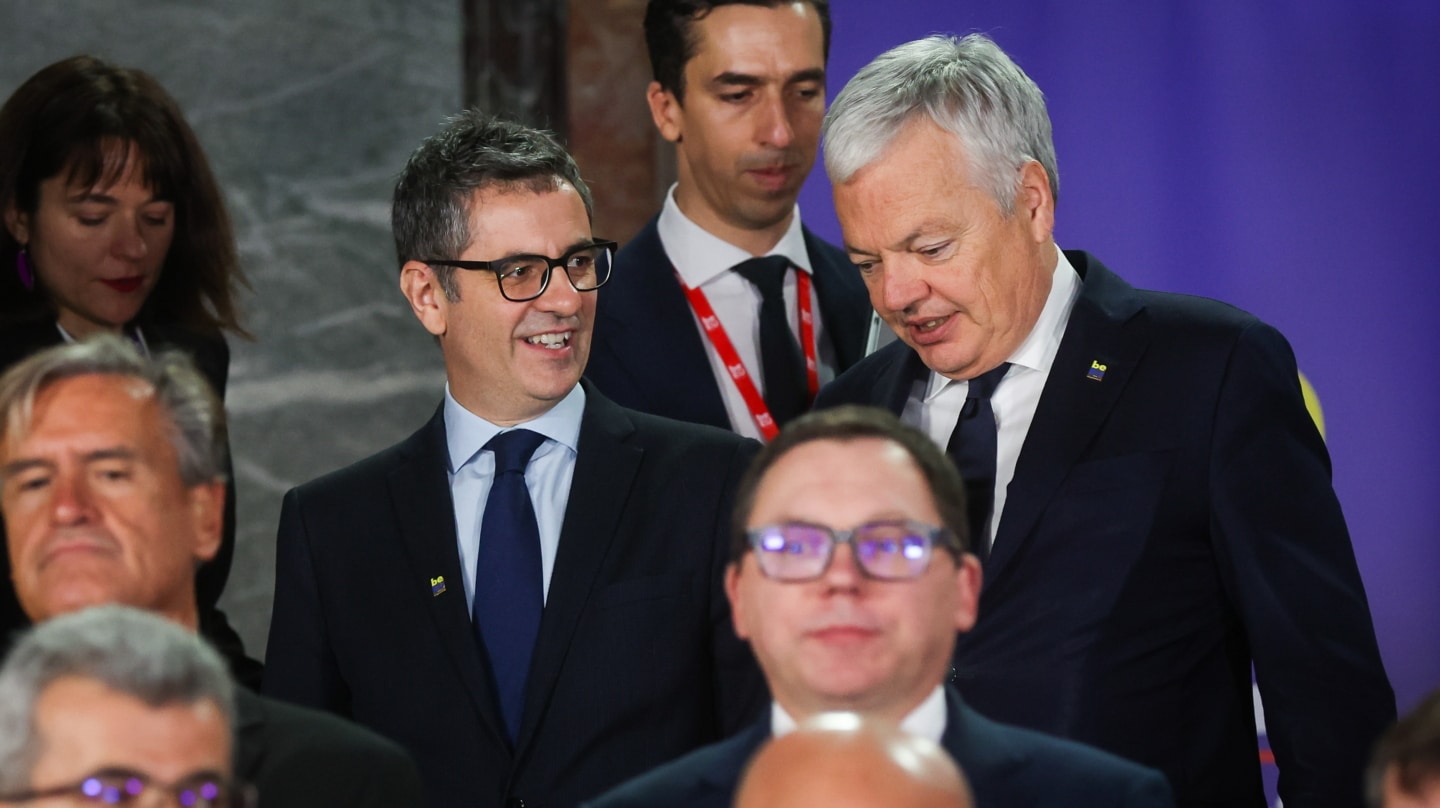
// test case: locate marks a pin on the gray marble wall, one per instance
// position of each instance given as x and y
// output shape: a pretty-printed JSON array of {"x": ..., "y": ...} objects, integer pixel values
[{"x": 307, "y": 110}]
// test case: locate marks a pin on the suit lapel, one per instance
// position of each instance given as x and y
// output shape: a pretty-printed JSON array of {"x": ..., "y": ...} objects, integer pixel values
[
  {"x": 1103, "y": 338},
  {"x": 843, "y": 304},
  {"x": 653, "y": 333},
  {"x": 606, "y": 465},
  {"x": 723, "y": 777},
  {"x": 901, "y": 369},
  {"x": 420, "y": 492},
  {"x": 987, "y": 757}
]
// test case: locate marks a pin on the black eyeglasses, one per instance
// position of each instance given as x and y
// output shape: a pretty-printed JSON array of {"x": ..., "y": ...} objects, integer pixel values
[
  {"x": 127, "y": 787},
  {"x": 524, "y": 277},
  {"x": 890, "y": 550}
]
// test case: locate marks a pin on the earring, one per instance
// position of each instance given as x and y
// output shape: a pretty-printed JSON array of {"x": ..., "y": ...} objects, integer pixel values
[{"x": 22, "y": 268}]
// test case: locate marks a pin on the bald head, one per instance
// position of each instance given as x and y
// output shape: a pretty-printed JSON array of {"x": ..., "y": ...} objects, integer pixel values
[{"x": 845, "y": 761}]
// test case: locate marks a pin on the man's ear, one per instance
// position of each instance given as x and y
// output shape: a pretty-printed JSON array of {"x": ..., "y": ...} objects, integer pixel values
[
  {"x": 1035, "y": 202},
  {"x": 664, "y": 111},
  {"x": 207, "y": 510},
  {"x": 968, "y": 576},
  {"x": 738, "y": 615},
  {"x": 421, "y": 288},
  {"x": 18, "y": 223}
]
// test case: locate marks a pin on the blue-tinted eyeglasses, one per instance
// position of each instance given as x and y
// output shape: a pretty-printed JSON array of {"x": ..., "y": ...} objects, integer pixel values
[
  {"x": 889, "y": 550},
  {"x": 119, "y": 786}
]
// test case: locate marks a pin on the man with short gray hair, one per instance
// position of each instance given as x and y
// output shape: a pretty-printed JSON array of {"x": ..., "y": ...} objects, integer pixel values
[
  {"x": 113, "y": 701},
  {"x": 1151, "y": 499},
  {"x": 111, "y": 490}
]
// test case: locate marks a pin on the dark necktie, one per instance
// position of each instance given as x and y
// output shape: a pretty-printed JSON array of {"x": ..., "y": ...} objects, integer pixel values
[
  {"x": 972, "y": 447},
  {"x": 784, "y": 366},
  {"x": 509, "y": 587}
]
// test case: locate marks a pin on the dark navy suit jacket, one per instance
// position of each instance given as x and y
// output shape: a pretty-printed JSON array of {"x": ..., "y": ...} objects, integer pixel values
[
  {"x": 1171, "y": 519},
  {"x": 648, "y": 355},
  {"x": 1006, "y": 767},
  {"x": 636, "y": 661},
  {"x": 299, "y": 758}
]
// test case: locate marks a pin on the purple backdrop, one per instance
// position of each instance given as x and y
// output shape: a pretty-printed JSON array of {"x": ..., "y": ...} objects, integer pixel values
[{"x": 1280, "y": 156}]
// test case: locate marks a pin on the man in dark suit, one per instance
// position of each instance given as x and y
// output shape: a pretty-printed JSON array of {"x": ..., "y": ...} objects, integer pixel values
[
  {"x": 1159, "y": 500},
  {"x": 533, "y": 633},
  {"x": 112, "y": 491},
  {"x": 850, "y": 578},
  {"x": 724, "y": 309}
]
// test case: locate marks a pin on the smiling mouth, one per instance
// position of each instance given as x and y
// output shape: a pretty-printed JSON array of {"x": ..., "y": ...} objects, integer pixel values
[{"x": 552, "y": 342}]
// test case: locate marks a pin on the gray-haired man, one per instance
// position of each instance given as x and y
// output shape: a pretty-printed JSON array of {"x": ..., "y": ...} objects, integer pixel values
[
  {"x": 111, "y": 703},
  {"x": 1151, "y": 499},
  {"x": 111, "y": 490}
]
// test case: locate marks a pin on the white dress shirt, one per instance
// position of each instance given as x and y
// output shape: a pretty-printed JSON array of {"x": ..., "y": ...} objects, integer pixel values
[
  {"x": 934, "y": 407},
  {"x": 927, "y": 720},
  {"x": 703, "y": 261},
  {"x": 548, "y": 477}
]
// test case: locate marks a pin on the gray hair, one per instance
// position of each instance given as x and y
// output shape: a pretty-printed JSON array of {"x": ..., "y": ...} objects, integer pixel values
[
  {"x": 128, "y": 650},
  {"x": 968, "y": 87},
  {"x": 430, "y": 215},
  {"x": 197, "y": 420}
]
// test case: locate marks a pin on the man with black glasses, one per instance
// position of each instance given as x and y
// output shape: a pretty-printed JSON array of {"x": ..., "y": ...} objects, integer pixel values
[
  {"x": 869, "y": 626},
  {"x": 526, "y": 592}
]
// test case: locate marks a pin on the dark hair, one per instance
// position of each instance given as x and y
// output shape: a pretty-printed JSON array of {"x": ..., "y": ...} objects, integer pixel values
[
  {"x": 1410, "y": 748},
  {"x": 473, "y": 151},
  {"x": 671, "y": 38},
  {"x": 70, "y": 118},
  {"x": 848, "y": 423}
]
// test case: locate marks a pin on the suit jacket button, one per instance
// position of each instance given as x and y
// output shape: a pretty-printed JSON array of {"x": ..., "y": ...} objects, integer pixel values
[{"x": 514, "y": 802}]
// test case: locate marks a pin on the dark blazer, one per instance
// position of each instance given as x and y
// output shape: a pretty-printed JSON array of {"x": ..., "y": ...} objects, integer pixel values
[
  {"x": 212, "y": 358},
  {"x": 299, "y": 758},
  {"x": 1007, "y": 768},
  {"x": 636, "y": 661},
  {"x": 648, "y": 355},
  {"x": 1168, "y": 523}
]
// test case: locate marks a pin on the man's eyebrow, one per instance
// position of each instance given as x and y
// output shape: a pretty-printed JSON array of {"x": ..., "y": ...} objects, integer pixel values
[
  {"x": 25, "y": 464},
  {"x": 731, "y": 79},
  {"x": 907, "y": 241},
  {"x": 810, "y": 74},
  {"x": 110, "y": 453}
]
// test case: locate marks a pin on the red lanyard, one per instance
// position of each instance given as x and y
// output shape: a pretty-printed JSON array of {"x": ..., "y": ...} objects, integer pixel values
[{"x": 743, "y": 380}]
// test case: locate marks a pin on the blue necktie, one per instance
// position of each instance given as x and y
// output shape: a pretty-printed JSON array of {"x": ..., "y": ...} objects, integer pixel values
[
  {"x": 972, "y": 446},
  {"x": 509, "y": 587}
]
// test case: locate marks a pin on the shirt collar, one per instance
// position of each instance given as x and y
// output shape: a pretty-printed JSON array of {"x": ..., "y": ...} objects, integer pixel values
[
  {"x": 467, "y": 433},
  {"x": 926, "y": 721},
  {"x": 707, "y": 256},
  {"x": 1037, "y": 351}
]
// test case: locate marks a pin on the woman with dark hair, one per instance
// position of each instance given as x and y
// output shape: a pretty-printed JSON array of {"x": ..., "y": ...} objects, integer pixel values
[{"x": 113, "y": 222}]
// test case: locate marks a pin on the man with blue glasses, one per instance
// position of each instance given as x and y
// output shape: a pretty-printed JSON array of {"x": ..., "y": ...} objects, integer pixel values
[
  {"x": 110, "y": 705},
  {"x": 849, "y": 576}
]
